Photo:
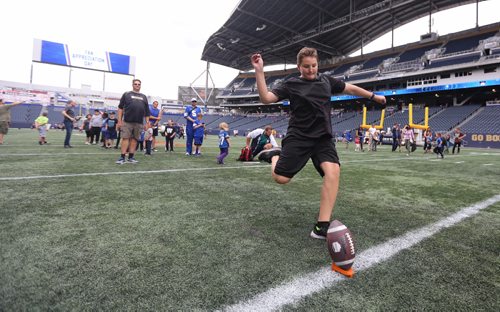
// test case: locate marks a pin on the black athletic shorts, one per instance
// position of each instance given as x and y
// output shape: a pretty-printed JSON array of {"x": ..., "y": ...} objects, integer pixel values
[
  {"x": 296, "y": 151},
  {"x": 155, "y": 131}
]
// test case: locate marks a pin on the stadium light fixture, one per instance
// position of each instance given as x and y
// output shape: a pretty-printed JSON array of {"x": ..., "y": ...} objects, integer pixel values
[
  {"x": 220, "y": 46},
  {"x": 233, "y": 41}
]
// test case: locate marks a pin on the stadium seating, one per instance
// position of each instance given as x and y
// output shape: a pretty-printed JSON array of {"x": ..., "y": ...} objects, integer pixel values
[
  {"x": 24, "y": 115},
  {"x": 450, "y": 117},
  {"x": 485, "y": 121}
]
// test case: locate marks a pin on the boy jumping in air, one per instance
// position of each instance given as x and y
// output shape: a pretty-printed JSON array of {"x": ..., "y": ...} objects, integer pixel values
[{"x": 309, "y": 133}]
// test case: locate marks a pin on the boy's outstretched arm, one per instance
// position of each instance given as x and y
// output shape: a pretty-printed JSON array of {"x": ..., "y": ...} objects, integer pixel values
[
  {"x": 355, "y": 90},
  {"x": 265, "y": 95}
]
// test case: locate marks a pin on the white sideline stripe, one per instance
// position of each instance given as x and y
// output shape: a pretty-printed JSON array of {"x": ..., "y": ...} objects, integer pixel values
[
  {"x": 301, "y": 287},
  {"x": 124, "y": 172},
  {"x": 258, "y": 165}
]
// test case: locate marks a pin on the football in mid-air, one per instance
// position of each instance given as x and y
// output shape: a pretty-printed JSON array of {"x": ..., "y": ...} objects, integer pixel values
[{"x": 341, "y": 245}]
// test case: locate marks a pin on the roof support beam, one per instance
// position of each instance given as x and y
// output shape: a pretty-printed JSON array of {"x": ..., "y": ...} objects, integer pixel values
[
  {"x": 356, "y": 16},
  {"x": 320, "y": 46}
]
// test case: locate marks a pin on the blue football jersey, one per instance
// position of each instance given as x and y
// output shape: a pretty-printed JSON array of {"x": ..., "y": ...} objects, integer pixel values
[{"x": 223, "y": 135}]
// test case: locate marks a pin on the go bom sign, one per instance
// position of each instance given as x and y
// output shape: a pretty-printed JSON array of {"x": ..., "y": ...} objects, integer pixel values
[{"x": 487, "y": 140}]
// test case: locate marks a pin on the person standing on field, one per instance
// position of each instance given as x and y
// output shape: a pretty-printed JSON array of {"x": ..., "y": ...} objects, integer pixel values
[
  {"x": 132, "y": 111},
  {"x": 5, "y": 118}
]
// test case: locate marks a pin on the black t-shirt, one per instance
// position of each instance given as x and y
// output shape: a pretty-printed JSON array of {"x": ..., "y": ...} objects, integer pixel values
[
  {"x": 170, "y": 131},
  {"x": 111, "y": 122},
  {"x": 135, "y": 106},
  {"x": 310, "y": 104}
]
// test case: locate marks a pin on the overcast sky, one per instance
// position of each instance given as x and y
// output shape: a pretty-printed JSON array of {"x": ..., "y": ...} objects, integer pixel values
[{"x": 166, "y": 37}]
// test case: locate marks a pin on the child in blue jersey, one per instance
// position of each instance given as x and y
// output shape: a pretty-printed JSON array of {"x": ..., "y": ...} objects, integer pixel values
[
  {"x": 439, "y": 145},
  {"x": 199, "y": 131},
  {"x": 111, "y": 134},
  {"x": 223, "y": 142}
]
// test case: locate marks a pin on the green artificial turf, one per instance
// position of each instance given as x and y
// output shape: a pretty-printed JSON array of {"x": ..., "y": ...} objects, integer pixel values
[{"x": 181, "y": 233}]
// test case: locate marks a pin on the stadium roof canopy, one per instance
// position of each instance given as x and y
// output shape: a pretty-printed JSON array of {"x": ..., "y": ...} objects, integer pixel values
[{"x": 280, "y": 28}]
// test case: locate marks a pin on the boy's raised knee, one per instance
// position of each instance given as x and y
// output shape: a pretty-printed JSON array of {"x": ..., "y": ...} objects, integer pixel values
[{"x": 280, "y": 179}]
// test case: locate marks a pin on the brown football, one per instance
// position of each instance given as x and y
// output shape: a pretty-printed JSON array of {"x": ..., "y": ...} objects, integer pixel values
[{"x": 341, "y": 245}]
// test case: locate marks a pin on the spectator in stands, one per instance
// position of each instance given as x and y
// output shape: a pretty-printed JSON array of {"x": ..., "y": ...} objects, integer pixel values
[
  {"x": 309, "y": 133},
  {"x": 223, "y": 142},
  {"x": 154, "y": 120},
  {"x": 87, "y": 128},
  {"x": 190, "y": 114},
  {"x": 170, "y": 133},
  {"x": 409, "y": 138},
  {"x": 5, "y": 118},
  {"x": 458, "y": 138},
  {"x": 69, "y": 119},
  {"x": 199, "y": 133},
  {"x": 96, "y": 125},
  {"x": 132, "y": 111},
  {"x": 260, "y": 139},
  {"x": 396, "y": 137},
  {"x": 41, "y": 124}
]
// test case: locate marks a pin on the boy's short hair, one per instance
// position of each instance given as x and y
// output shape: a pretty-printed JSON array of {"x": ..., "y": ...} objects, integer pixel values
[
  {"x": 45, "y": 114},
  {"x": 111, "y": 113},
  {"x": 305, "y": 51}
]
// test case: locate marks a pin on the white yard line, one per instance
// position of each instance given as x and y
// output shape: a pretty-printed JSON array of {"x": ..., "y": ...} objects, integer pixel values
[
  {"x": 216, "y": 167},
  {"x": 301, "y": 287},
  {"x": 124, "y": 172}
]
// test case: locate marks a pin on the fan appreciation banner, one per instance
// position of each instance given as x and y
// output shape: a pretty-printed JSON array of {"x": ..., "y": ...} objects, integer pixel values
[{"x": 62, "y": 54}]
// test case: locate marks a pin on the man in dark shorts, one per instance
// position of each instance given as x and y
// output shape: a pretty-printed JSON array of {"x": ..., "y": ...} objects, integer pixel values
[
  {"x": 132, "y": 110},
  {"x": 309, "y": 133}
]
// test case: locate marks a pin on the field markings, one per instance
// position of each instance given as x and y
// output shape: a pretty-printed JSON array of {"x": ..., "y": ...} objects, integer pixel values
[
  {"x": 301, "y": 287},
  {"x": 91, "y": 174},
  {"x": 245, "y": 166}
]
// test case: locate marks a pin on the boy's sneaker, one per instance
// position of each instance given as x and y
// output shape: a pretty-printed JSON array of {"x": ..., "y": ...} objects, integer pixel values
[
  {"x": 267, "y": 155},
  {"x": 120, "y": 161},
  {"x": 319, "y": 232},
  {"x": 132, "y": 160}
]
